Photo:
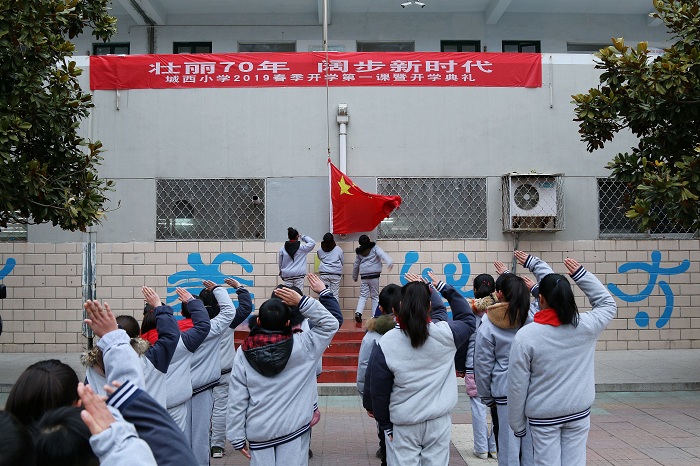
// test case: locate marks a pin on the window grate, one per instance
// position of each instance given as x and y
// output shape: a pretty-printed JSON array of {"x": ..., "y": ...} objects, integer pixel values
[
  {"x": 202, "y": 209},
  {"x": 14, "y": 232},
  {"x": 614, "y": 200},
  {"x": 435, "y": 208}
]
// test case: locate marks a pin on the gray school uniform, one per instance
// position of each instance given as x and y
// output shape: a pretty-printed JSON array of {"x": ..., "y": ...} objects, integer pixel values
[
  {"x": 293, "y": 269},
  {"x": 550, "y": 380},
  {"x": 120, "y": 445},
  {"x": 330, "y": 269},
  {"x": 369, "y": 268}
]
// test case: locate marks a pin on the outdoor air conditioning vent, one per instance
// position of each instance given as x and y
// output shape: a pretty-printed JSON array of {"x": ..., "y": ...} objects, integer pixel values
[{"x": 532, "y": 202}]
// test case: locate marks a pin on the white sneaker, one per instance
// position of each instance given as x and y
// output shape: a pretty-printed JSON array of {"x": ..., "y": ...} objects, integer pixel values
[
  {"x": 483, "y": 456},
  {"x": 493, "y": 455}
]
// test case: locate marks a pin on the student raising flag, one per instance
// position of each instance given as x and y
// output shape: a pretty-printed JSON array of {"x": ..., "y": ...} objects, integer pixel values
[{"x": 354, "y": 210}]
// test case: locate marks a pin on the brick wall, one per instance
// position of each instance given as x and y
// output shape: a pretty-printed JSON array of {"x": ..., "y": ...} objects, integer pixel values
[{"x": 42, "y": 312}]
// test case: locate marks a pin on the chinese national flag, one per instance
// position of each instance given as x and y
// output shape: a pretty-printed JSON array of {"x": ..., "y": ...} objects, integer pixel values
[{"x": 354, "y": 210}]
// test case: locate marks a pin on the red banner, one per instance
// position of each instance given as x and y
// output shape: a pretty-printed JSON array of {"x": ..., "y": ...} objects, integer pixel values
[{"x": 309, "y": 69}]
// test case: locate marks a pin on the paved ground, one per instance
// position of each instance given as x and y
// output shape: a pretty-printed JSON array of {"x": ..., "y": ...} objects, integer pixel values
[{"x": 647, "y": 412}]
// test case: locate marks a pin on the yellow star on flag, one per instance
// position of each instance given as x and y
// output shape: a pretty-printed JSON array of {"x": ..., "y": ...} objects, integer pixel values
[{"x": 344, "y": 187}]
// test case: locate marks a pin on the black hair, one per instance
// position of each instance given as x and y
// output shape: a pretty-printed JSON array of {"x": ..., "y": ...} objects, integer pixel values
[
  {"x": 149, "y": 321},
  {"x": 42, "y": 386},
  {"x": 129, "y": 325},
  {"x": 556, "y": 289},
  {"x": 295, "y": 315},
  {"x": 413, "y": 312},
  {"x": 484, "y": 285},
  {"x": 274, "y": 315},
  {"x": 517, "y": 296},
  {"x": 184, "y": 311},
  {"x": 61, "y": 438},
  {"x": 390, "y": 299},
  {"x": 16, "y": 448},
  {"x": 292, "y": 233},
  {"x": 210, "y": 302},
  {"x": 501, "y": 278}
]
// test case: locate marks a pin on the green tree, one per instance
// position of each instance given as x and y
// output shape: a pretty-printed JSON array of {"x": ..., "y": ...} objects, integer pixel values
[
  {"x": 657, "y": 98},
  {"x": 49, "y": 173}
]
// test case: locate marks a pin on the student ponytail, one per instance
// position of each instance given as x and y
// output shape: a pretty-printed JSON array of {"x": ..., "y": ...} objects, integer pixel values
[
  {"x": 484, "y": 285},
  {"x": 413, "y": 314},
  {"x": 517, "y": 295},
  {"x": 556, "y": 289}
]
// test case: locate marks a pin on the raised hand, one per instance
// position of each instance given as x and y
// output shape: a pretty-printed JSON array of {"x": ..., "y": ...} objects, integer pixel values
[
  {"x": 572, "y": 265},
  {"x": 529, "y": 282},
  {"x": 96, "y": 416},
  {"x": 184, "y": 295},
  {"x": 209, "y": 285},
  {"x": 433, "y": 278},
  {"x": 521, "y": 257},
  {"x": 233, "y": 283},
  {"x": 288, "y": 296},
  {"x": 500, "y": 267},
  {"x": 413, "y": 277},
  {"x": 151, "y": 296},
  {"x": 101, "y": 320},
  {"x": 315, "y": 283}
]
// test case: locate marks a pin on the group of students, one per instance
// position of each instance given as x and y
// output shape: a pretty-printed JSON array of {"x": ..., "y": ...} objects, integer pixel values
[
  {"x": 170, "y": 392},
  {"x": 529, "y": 360}
]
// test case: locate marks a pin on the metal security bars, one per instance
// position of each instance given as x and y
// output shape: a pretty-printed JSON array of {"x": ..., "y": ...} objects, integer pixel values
[
  {"x": 210, "y": 209},
  {"x": 14, "y": 232},
  {"x": 532, "y": 202},
  {"x": 614, "y": 200},
  {"x": 435, "y": 208}
]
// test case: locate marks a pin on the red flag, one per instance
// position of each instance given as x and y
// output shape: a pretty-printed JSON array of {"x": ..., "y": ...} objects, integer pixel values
[{"x": 354, "y": 210}]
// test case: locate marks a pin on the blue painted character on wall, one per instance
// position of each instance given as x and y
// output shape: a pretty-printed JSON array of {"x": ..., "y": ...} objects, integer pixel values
[
  {"x": 654, "y": 269},
  {"x": 192, "y": 279}
]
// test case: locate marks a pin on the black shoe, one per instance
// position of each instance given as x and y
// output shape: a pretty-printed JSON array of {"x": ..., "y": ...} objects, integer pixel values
[
  {"x": 358, "y": 317},
  {"x": 311, "y": 453}
]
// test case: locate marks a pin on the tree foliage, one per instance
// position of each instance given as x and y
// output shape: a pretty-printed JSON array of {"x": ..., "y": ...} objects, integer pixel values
[
  {"x": 49, "y": 172},
  {"x": 657, "y": 98}
]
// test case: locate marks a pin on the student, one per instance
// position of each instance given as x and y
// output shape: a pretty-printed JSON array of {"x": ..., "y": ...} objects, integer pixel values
[
  {"x": 368, "y": 266},
  {"x": 227, "y": 352},
  {"x": 550, "y": 379},
  {"x": 492, "y": 348},
  {"x": 292, "y": 258},
  {"x": 155, "y": 349},
  {"x": 16, "y": 446},
  {"x": 389, "y": 302},
  {"x": 330, "y": 269},
  {"x": 412, "y": 370},
  {"x": 273, "y": 382},
  {"x": 206, "y": 366},
  {"x": 484, "y": 287},
  {"x": 42, "y": 386},
  {"x": 194, "y": 328}
]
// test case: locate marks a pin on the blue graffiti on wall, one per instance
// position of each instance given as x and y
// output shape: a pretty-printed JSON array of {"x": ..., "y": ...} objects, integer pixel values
[
  {"x": 7, "y": 269},
  {"x": 654, "y": 269},
  {"x": 192, "y": 279},
  {"x": 449, "y": 270}
]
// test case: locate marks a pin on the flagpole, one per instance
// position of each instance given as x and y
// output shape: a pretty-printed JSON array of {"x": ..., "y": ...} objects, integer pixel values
[
  {"x": 328, "y": 124},
  {"x": 330, "y": 196}
]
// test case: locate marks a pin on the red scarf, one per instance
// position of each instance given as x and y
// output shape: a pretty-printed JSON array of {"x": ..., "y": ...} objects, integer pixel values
[
  {"x": 185, "y": 324},
  {"x": 263, "y": 339},
  {"x": 548, "y": 317},
  {"x": 151, "y": 336}
]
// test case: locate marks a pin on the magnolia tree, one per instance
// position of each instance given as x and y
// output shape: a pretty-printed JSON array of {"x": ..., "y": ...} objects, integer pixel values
[
  {"x": 657, "y": 98},
  {"x": 49, "y": 173}
]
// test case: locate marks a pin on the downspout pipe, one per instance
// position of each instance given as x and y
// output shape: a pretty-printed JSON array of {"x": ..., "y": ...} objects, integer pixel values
[{"x": 343, "y": 119}]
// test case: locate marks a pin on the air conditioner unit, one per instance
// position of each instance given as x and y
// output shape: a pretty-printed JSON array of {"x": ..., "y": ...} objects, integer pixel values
[{"x": 532, "y": 202}]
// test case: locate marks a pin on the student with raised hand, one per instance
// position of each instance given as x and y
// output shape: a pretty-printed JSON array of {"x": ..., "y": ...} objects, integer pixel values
[
  {"x": 292, "y": 258},
  {"x": 550, "y": 379},
  {"x": 414, "y": 362},
  {"x": 273, "y": 381},
  {"x": 492, "y": 348},
  {"x": 331, "y": 258},
  {"x": 227, "y": 352},
  {"x": 120, "y": 361},
  {"x": 194, "y": 328},
  {"x": 206, "y": 367}
]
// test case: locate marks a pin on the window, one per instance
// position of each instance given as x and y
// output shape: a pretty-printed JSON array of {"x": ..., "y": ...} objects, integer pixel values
[
  {"x": 14, "y": 232},
  {"x": 614, "y": 200},
  {"x": 460, "y": 46},
  {"x": 521, "y": 46},
  {"x": 385, "y": 47},
  {"x": 111, "y": 48},
  {"x": 202, "y": 209},
  {"x": 267, "y": 47},
  {"x": 191, "y": 47},
  {"x": 435, "y": 208},
  {"x": 585, "y": 48}
]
